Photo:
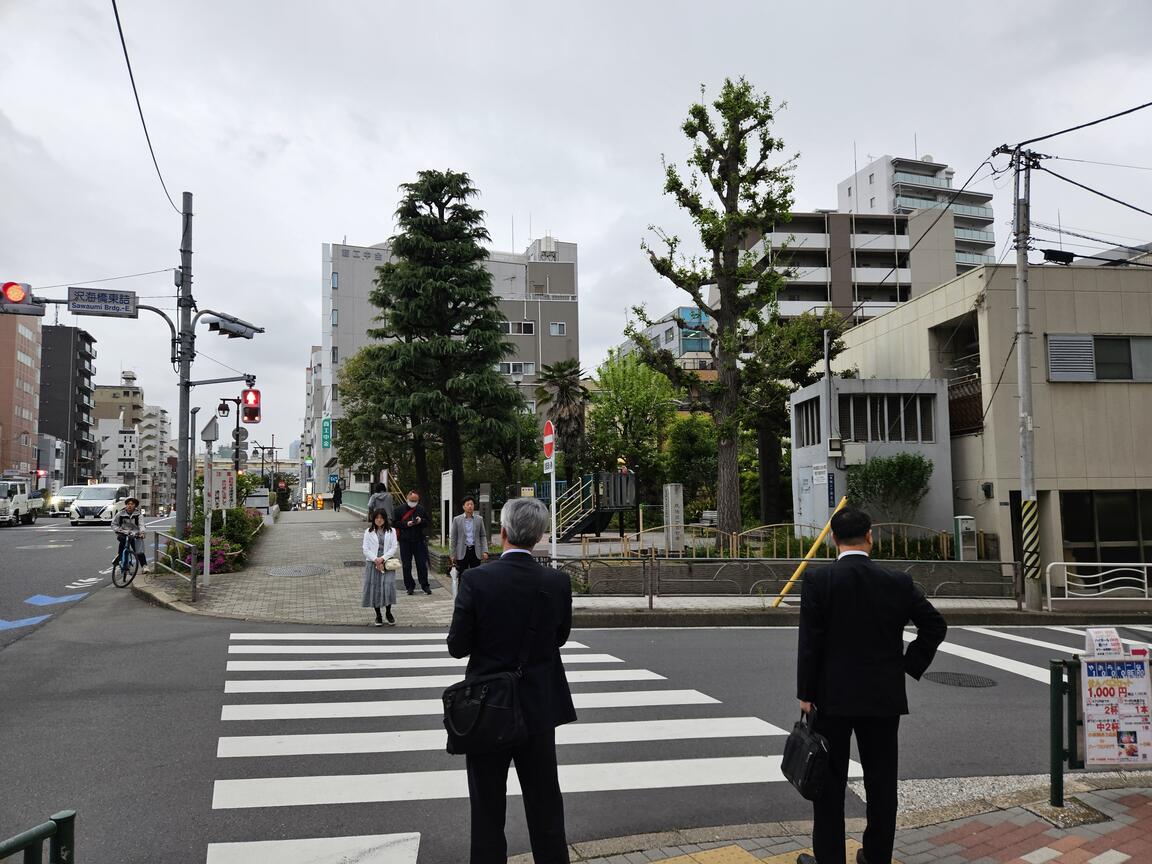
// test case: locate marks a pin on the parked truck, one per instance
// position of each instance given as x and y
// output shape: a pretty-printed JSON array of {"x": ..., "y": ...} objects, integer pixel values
[{"x": 19, "y": 502}]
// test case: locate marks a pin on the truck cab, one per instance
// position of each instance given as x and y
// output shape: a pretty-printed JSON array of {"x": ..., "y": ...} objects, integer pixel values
[{"x": 19, "y": 503}]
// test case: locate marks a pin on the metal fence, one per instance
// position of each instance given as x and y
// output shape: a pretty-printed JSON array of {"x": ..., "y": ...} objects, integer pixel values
[
  {"x": 59, "y": 831},
  {"x": 172, "y": 559},
  {"x": 762, "y": 577},
  {"x": 1097, "y": 583}
]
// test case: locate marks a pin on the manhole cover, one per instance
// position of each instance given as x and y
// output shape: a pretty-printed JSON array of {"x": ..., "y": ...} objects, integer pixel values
[
  {"x": 960, "y": 679},
  {"x": 298, "y": 570}
]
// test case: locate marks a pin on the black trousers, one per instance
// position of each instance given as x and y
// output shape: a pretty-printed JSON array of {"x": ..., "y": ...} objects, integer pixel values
[
  {"x": 470, "y": 560},
  {"x": 877, "y": 739},
  {"x": 419, "y": 550},
  {"x": 121, "y": 539},
  {"x": 540, "y": 789}
]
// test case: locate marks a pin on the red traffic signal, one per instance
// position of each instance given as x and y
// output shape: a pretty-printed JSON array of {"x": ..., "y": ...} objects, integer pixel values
[
  {"x": 16, "y": 299},
  {"x": 250, "y": 406}
]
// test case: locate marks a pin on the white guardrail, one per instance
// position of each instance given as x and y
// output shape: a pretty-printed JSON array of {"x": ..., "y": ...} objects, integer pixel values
[{"x": 1104, "y": 580}]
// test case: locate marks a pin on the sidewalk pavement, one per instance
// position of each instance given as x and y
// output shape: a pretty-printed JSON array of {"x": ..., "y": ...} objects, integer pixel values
[
  {"x": 1110, "y": 822},
  {"x": 307, "y": 568}
]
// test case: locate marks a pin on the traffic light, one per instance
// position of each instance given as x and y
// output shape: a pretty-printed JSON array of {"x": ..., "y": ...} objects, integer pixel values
[
  {"x": 16, "y": 299},
  {"x": 232, "y": 327},
  {"x": 250, "y": 406}
]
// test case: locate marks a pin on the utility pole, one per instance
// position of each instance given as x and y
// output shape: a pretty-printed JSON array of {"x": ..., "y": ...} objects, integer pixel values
[
  {"x": 186, "y": 347},
  {"x": 1022, "y": 161}
]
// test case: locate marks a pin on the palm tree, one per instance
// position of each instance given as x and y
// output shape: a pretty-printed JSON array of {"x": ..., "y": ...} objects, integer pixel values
[{"x": 559, "y": 389}]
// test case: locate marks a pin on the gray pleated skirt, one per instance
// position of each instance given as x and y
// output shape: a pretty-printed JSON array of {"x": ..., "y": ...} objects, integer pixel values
[{"x": 379, "y": 588}]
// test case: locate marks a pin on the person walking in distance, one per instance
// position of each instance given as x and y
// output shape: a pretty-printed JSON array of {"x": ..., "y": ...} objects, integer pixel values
[
  {"x": 410, "y": 522},
  {"x": 489, "y": 623},
  {"x": 850, "y": 669},
  {"x": 380, "y": 546},
  {"x": 379, "y": 500},
  {"x": 468, "y": 539},
  {"x": 337, "y": 496}
]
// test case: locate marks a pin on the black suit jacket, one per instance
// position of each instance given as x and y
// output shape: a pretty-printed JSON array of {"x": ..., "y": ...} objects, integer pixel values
[
  {"x": 852, "y": 658},
  {"x": 415, "y": 533},
  {"x": 491, "y": 618}
]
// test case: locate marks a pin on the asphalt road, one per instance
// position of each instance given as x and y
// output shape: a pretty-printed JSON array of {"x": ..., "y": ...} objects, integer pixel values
[
  {"x": 42, "y": 561},
  {"x": 117, "y": 709}
]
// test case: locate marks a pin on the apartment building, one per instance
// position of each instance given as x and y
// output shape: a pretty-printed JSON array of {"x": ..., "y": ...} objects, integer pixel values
[
  {"x": 1092, "y": 396},
  {"x": 119, "y": 445},
  {"x": 125, "y": 398},
  {"x": 19, "y": 392},
  {"x": 156, "y": 484},
  {"x": 52, "y": 458},
  {"x": 314, "y": 413},
  {"x": 897, "y": 184},
  {"x": 685, "y": 332},
  {"x": 538, "y": 292},
  {"x": 67, "y": 398}
]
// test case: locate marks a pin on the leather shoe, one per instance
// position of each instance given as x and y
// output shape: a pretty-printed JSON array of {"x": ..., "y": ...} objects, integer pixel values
[
  {"x": 805, "y": 858},
  {"x": 860, "y": 859}
]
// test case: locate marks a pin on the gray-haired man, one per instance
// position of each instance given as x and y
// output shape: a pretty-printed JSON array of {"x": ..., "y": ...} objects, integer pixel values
[{"x": 490, "y": 620}]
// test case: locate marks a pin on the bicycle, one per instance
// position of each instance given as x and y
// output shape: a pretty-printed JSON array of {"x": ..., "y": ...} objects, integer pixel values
[{"x": 126, "y": 565}]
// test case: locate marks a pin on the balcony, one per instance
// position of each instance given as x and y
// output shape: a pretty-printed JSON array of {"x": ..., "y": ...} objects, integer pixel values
[
  {"x": 975, "y": 236},
  {"x": 882, "y": 275},
  {"x": 811, "y": 276},
  {"x": 903, "y": 177},
  {"x": 86, "y": 349},
  {"x": 84, "y": 400},
  {"x": 796, "y": 240},
  {"x": 974, "y": 259},
  {"x": 796, "y": 308},
  {"x": 905, "y": 202},
  {"x": 880, "y": 242},
  {"x": 86, "y": 366}
]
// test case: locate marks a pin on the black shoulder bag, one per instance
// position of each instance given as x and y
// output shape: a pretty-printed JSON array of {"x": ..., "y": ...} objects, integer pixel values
[
  {"x": 805, "y": 762},
  {"x": 483, "y": 714}
]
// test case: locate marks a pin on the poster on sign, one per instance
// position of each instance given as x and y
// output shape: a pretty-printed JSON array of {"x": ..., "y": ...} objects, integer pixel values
[
  {"x": 1117, "y": 726},
  {"x": 223, "y": 493}
]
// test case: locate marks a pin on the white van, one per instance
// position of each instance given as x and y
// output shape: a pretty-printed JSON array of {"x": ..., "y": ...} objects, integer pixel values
[
  {"x": 99, "y": 503},
  {"x": 61, "y": 503}
]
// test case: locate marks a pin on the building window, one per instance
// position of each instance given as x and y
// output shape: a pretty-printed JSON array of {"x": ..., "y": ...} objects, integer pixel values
[
  {"x": 669, "y": 335},
  {"x": 335, "y": 392},
  {"x": 335, "y": 279},
  {"x": 872, "y": 202},
  {"x": 26, "y": 333},
  {"x": 517, "y": 368},
  {"x": 807, "y": 423},
  {"x": 871, "y": 179},
  {"x": 1107, "y": 526},
  {"x": 558, "y": 328},
  {"x": 1085, "y": 357},
  {"x": 888, "y": 417},
  {"x": 530, "y": 406},
  {"x": 335, "y": 316},
  {"x": 518, "y": 328},
  {"x": 849, "y": 191},
  {"x": 335, "y": 354},
  {"x": 24, "y": 358},
  {"x": 361, "y": 478}
]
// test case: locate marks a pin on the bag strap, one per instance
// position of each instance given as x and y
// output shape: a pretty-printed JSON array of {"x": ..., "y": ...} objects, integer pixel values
[{"x": 526, "y": 643}]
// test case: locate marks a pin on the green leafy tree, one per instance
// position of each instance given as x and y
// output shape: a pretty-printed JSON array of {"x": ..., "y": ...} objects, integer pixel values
[
  {"x": 890, "y": 488},
  {"x": 629, "y": 416},
  {"x": 439, "y": 319},
  {"x": 560, "y": 389},
  {"x": 785, "y": 355},
  {"x": 692, "y": 461},
  {"x": 735, "y": 192}
]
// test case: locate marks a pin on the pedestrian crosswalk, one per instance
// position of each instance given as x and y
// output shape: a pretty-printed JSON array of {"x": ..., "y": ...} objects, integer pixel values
[
  {"x": 316, "y": 720},
  {"x": 298, "y": 714}
]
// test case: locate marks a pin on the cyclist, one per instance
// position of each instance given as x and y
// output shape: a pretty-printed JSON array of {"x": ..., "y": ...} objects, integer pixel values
[{"x": 126, "y": 524}]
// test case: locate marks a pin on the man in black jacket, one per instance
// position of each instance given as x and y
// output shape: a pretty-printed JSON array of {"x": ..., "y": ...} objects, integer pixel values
[
  {"x": 410, "y": 521},
  {"x": 851, "y": 668},
  {"x": 489, "y": 623}
]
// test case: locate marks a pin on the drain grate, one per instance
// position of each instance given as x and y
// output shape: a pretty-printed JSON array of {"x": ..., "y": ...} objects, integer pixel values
[
  {"x": 959, "y": 679},
  {"x": 353, "y": 563},
  {"x": 298, "y": 570}
]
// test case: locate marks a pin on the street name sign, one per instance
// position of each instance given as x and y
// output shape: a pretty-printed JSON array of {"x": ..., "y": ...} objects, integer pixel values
[
  {"x": 549, "y": 466},
  {"x": 101, "y": 301}
]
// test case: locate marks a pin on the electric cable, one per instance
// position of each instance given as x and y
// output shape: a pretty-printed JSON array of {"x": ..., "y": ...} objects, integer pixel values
[
  {"x": 1108, "y": 243},
  {"x": 108, "y": 279},
  {"x": 1083, "y": 125},
  {"x": 139, "y": 109},
  {"x": 1106, "y": 164},
  {"x": 1094, "y": 191}
]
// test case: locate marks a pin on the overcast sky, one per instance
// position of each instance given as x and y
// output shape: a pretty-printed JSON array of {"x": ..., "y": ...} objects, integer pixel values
[{"x": 293, "y": 123}]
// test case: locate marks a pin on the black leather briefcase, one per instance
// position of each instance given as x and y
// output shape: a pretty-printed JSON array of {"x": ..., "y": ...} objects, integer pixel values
[{"x": 805, "y": 762}]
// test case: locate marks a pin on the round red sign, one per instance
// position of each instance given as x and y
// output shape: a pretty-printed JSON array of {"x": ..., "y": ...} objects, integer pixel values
[{"x": 549, "y": 439}]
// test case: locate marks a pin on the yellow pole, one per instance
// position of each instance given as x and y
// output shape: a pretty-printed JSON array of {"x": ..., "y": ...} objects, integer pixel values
[{"x": 811, "y": 553}]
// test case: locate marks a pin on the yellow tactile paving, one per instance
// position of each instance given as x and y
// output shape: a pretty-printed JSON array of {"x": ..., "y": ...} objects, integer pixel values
[
  {"x": 724, "y": 855},
  {"x": 790, "y": 857}
]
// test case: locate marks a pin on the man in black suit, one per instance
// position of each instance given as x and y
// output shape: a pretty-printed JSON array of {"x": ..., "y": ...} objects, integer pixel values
[
  {"x": 851, "y": 667},
  {"x": 410, "y": 520},
  {"x": 489, "y": 623}
]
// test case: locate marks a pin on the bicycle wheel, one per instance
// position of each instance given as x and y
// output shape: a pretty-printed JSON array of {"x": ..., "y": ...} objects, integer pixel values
[{"x": 124, "y": 570}]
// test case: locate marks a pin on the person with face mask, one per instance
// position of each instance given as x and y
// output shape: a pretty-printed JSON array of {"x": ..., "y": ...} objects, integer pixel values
[{"x": 411, "y": 520}]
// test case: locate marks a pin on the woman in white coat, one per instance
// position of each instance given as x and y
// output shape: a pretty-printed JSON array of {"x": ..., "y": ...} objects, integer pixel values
[{"x": 380, "y": 546}]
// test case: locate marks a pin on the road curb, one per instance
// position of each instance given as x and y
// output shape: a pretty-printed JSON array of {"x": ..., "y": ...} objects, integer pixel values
[
  {"x": 1033, "y": 799},
  {"x": 644, "y": 617}
]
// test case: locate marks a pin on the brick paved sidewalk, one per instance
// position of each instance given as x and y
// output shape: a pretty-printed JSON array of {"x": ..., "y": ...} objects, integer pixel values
[
  {"x": 1108, "y": 827},
  {"x": 307, "y": 568}
]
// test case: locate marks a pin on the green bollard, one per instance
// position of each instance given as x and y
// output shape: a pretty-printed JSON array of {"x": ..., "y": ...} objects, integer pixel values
[
  {"x": 62, "y": 846},
  {"x": 1056, "y": 732}
]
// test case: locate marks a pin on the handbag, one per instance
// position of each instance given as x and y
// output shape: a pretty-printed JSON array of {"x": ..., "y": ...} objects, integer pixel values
[
  {"x": 805, "y": 761},
  {"x": 483, "y": 714},
  {"x": 392, "y": 564}
]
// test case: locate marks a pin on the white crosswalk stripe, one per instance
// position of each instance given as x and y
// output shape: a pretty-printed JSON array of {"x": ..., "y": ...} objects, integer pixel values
[{"x": 301, "y": 735}]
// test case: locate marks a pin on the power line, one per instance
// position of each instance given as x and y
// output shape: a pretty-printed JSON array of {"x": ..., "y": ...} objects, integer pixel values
[
  {"x": 1116, "y": 262},
  {"x": 1083, "y": 125},
  {"x": 107, "y": 279},
  {"x": 219, "y": 363},
  {"x": 1070, "y": 233},
  {"x": 1106, "y": 164},
  {"x": 1095, "y": 191},
  {"x": 139, "y": 109}
]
